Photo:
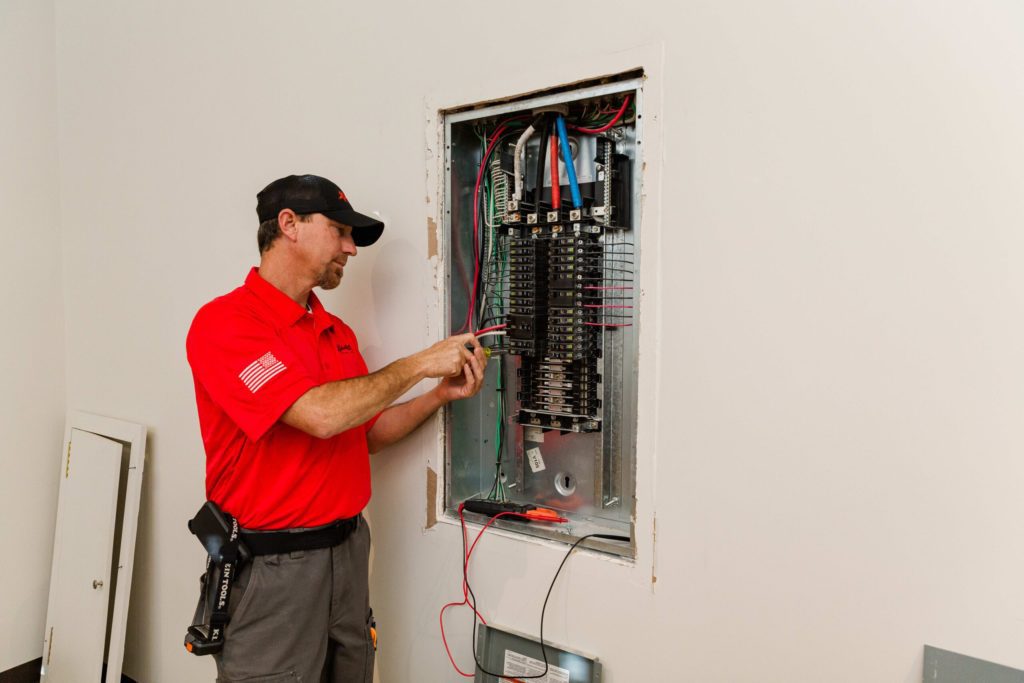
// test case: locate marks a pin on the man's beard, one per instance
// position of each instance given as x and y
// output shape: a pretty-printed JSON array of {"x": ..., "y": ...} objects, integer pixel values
[{"x": 329, "y": 279}]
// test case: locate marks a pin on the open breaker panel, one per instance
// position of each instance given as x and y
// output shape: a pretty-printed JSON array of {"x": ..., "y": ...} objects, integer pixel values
[{"x": 542, "y": 218}]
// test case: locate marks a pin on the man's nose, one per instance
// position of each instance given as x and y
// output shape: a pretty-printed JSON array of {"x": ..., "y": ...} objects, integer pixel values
[{"x": 349, "y": 245}]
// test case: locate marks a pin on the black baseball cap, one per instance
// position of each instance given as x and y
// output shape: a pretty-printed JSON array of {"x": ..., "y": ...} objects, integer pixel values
[{"x": 312, "y": 194}]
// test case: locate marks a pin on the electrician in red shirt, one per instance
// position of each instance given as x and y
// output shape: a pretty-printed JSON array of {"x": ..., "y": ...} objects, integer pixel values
[{"x": 289, "y": 415}]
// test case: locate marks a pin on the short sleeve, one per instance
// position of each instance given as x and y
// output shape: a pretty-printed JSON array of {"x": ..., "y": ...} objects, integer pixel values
[{"x": 245, "y": 367}]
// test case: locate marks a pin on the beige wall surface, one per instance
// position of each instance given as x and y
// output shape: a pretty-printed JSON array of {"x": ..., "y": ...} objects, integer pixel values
[
  {"x": 32, "y": 338},
  {"x": 831, "y": 376}
]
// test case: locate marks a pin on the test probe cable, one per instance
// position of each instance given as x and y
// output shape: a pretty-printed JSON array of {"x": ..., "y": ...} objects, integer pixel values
[{"x": 469, "y": 598}]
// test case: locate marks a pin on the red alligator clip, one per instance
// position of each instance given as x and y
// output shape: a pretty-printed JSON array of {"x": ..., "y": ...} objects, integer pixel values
[{"x": 544, "y": 515}]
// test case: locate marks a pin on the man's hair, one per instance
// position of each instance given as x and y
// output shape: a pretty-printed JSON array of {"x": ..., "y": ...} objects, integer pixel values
[{"x": 270, "y": 231}]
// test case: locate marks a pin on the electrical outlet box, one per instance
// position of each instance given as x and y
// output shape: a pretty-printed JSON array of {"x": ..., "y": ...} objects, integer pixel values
[
  {"x": 541, "y": 235},
  {"x": 505, "y": 651}
]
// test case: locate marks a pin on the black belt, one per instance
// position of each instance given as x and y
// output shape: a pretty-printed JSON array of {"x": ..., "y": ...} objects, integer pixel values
[{"x": 293, "y": 540}]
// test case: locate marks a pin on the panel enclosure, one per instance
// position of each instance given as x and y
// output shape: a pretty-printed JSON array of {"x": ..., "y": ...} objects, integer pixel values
[{"x": 552, "y": 265}]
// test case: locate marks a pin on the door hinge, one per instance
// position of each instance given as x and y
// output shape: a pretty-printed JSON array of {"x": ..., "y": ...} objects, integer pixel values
[
  {"x": 67, "y": 467},
  {"x": 49, "y": 647}
]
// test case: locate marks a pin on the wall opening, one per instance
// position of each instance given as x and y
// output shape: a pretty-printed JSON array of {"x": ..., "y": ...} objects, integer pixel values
[{"x": 541, "y": 232}]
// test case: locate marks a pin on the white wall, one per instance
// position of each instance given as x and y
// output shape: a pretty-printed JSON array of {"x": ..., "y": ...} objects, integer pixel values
[
  {"x": 831, "y": 381},
  {"x": 32, "y": 342}
]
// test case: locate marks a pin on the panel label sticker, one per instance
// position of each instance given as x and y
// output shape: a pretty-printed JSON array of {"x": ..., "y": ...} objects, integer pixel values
[
  {"x": 533, "y": 456},
  {"x": 517, "y": 664}
]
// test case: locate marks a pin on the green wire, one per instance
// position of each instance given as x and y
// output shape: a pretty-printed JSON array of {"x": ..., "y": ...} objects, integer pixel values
[{"x": 498, "y": 490}]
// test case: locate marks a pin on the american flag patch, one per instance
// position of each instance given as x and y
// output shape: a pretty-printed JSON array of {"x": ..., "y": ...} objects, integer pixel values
[{"x": 260, "y": 371}]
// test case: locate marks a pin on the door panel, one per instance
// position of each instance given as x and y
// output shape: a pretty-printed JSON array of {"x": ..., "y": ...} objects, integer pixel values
[{"x": 76, "y": 620}]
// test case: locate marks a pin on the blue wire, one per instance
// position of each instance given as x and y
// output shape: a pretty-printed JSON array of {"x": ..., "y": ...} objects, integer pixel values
[{"x": 574, "y": 187}]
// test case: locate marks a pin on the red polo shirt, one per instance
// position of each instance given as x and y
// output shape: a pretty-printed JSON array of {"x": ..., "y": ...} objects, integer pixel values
[{"x": 253, "y": 352}]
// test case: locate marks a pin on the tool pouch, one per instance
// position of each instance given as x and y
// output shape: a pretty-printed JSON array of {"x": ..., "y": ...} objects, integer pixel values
[{"x": 226, "y": 555}]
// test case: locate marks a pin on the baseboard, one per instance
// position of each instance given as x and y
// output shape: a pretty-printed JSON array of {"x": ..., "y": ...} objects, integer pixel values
[
  {"x": 26, "y": 673},
  {"x": 29, "y": 673}
]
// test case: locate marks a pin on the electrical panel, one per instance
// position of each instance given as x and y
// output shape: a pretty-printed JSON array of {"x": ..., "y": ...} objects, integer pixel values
[{"x": 542, "y": 218}]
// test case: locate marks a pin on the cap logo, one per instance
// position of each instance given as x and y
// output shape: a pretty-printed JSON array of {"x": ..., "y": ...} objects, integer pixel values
[{"x": 341, "y": 196}]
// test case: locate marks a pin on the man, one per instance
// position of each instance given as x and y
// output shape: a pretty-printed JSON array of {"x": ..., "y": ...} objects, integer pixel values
[{"x": 289, "y": 414}]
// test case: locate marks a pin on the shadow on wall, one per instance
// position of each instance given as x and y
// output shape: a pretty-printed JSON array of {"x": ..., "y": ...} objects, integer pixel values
[{"x": 399, "y": 292}]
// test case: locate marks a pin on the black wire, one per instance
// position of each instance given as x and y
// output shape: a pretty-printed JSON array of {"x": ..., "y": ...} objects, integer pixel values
[
  {"x": 501, "y": 428},
  {"x": 609, "y": 537},
  {"x": 497, "y": 319},
  {"x": 543, "y": 646},
  {"x": 493, "y": 493}
]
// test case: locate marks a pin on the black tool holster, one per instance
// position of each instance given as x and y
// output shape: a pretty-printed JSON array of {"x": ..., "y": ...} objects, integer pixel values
[{"x": 226, "y": 555}]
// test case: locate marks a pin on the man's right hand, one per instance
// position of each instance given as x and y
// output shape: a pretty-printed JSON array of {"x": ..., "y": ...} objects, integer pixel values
[{"x": 447, "y": 357}]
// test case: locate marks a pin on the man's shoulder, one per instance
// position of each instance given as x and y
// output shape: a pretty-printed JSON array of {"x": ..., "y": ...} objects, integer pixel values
[{"x": 226, "y": 311}]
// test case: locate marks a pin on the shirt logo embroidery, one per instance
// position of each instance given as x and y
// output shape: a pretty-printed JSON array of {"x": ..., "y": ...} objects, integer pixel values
[{"x": 260, "y": 371}]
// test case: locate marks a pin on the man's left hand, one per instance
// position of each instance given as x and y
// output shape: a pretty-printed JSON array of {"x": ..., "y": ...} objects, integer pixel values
[{"x": 468, "y": 383}]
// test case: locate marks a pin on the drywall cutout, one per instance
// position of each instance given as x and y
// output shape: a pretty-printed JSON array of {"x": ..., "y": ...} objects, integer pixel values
[{"x": 93, "y": 549}]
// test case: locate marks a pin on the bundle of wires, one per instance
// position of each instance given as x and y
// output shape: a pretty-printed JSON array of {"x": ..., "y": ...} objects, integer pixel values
[
  {"x": 605, "y": 118},
  {"x": 503, "y": 131},
  {"x": 486, "y": 294}
]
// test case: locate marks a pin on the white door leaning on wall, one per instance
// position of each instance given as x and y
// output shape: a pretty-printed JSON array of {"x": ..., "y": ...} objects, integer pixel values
[{"x": 93, "y": 549}]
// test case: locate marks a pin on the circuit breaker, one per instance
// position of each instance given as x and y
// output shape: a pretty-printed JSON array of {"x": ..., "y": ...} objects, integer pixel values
[{"x": 542, "y": 219}]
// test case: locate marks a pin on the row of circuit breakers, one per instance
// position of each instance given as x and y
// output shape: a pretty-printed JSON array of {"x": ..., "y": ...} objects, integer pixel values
[{"x": 563, "y": 282}]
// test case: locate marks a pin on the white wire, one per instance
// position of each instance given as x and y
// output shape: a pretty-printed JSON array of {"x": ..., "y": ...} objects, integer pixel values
[
  {"x": 517, "y": 164},
  {"x": 496, "y": 333},
  {"x": 491, "y": 214}
]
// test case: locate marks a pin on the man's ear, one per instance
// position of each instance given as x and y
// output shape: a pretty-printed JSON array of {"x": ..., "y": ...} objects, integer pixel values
[{"x": 288, "y": 223}]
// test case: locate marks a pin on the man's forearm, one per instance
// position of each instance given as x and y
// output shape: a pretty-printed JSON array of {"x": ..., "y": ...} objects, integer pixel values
[
  {"x": 397, "y": 421},
  {"x": 335, "y": 407}
]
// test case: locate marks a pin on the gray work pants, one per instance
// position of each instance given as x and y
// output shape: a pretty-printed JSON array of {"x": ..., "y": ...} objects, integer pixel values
[{"x": 302, "y": 616}]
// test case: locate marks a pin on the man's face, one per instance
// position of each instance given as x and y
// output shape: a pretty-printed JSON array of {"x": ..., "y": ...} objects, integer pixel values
[{"x": 329, "y": 245}]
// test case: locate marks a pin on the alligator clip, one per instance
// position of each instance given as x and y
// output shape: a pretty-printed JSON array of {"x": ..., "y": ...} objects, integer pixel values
[{"x": 544, "y": 515}]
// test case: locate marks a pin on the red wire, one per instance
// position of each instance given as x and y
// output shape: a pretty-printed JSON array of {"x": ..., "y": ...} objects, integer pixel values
[
  {"x": 465, "y": 601},
  {"x": 465, "y": 587},
  {"x": 556, "y": 188},
  {"x": 491, "y": 329},
  {"x": 595, "y": 131}
]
